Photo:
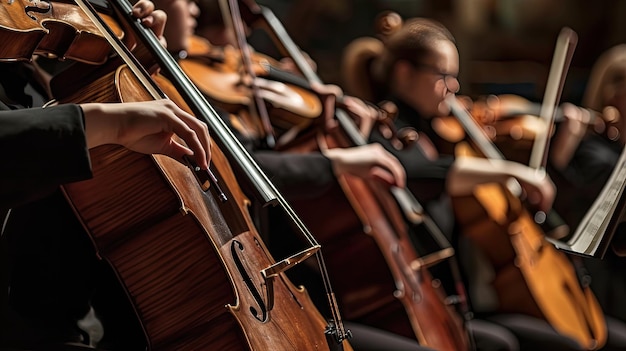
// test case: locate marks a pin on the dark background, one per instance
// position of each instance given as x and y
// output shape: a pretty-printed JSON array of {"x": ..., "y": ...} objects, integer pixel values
[{"x": 505, "y": 46}]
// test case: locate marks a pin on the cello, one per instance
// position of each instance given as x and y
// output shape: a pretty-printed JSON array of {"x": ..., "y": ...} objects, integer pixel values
[
  {"x": 367, "y": 220},
  {"x": 191, "y": 262},
  {"x": 531, "y": 275},
  {"x": 218, "y": 74}
]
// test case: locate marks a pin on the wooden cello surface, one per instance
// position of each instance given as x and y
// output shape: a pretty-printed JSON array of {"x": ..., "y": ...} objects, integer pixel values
[
  {"x": 364, "y": 233},
  {"x": 181, "y": 240},
  {"x": 53, "y": 29},
  {"x": 531, "y": 276},
  {"x": 190, "y": 263}
]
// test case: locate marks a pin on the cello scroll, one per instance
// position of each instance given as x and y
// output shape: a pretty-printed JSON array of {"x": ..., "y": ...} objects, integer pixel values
[{"x": 53, "y": 29}]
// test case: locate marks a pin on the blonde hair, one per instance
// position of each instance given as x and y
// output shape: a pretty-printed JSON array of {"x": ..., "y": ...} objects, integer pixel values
[{"x": 602, "y": 73}]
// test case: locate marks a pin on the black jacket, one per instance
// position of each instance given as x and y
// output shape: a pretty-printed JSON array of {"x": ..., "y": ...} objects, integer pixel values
[{"x": 48, "y": 259}]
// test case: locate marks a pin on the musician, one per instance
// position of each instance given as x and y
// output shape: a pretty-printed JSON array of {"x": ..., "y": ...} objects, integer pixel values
[
  {"x": 417, "y": 69},
  {"x": 54, "y": 280}
]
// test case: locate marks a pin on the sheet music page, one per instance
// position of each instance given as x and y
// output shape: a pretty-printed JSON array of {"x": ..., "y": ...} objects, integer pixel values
[{"x": 593, "y": 227}]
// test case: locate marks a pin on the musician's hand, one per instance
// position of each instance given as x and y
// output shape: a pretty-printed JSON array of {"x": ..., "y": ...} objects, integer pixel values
[
  {"x": 365, "y": 115},
  {"x": 540, "y": 190},
  {"x": 148, "y": 127},
  {"x": 327, "y": 89},
  {"x": 468, "y": 172},
  {"x": 151, "y": 18},
  {"x": 365, "y": 161}
]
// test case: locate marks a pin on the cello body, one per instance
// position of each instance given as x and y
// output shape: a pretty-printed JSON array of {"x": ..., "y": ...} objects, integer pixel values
[
  {"x": 363, "y": 232},
  {"x": 531, "y": 276},
  {"x": 355, "y": 219},
  {"x": 190, "y": 263}
]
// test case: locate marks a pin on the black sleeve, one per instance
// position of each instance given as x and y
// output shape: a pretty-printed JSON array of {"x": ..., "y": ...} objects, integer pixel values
[
  {"x": 42, "y": 148},
  {"x": 297, "y": 175},
  {"x": 425, "y": 177}
]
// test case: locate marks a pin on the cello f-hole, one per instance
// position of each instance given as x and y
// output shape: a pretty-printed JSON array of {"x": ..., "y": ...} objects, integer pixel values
[{"x": 235, "y": 248}]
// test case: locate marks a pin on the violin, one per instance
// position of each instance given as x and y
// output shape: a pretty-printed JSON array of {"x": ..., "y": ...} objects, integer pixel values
[
  {"x": 52, "y": 29},
  {"x": 219, "y": 74},
  {"x": 393, "y": 289},
  {"x": 512, "y": 123},
  {"x": 193, "y": 266},
  {"x": 495, "y": 110}
]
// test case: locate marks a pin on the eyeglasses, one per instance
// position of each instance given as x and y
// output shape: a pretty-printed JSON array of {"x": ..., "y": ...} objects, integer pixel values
[{"x": 451, "y": 82}]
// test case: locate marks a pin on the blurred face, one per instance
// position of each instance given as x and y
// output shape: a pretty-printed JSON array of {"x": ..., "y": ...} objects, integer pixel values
[
  {"x": 181, "y": 22},
  {"x": 425, "y": 85}
]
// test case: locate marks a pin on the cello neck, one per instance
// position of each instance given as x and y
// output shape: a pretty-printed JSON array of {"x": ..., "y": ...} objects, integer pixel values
[
  {"x": 261, "y": 16},
  {"x": 257, "y": 104}
]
